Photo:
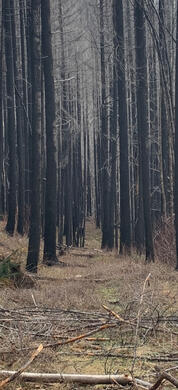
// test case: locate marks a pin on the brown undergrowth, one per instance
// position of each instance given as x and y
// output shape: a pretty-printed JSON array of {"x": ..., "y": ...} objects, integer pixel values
[
  {"x": 68, "y": 301},
  {"x": 164, "y": 241}
]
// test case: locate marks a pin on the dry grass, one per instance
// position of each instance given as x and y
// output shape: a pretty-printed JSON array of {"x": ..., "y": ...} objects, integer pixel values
[{"x": 85, "y": 284}]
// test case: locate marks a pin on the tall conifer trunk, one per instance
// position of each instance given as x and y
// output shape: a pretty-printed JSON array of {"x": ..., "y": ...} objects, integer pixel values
[
  {"x": 104, "y": 137},
  {"x": 20, "y": 126},
  {"x": 176, "y": 146},
  {"x": 142, "y": 122},
  {"x": 51, "y": 140},
  {"x": 35, "y": 212},
  {"x": 12, "y": 169},
  {"x": 1, "y": 112},
  {"x": 125, "y": 220}
]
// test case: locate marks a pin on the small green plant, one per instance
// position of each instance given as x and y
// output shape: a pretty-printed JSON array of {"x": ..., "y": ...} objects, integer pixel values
[{"x": 8, "y": 268}]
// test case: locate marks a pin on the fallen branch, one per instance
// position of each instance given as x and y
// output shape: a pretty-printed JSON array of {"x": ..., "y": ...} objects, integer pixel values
[
  {"x": 164, "y": 375},
  {"x": 71, "y": 340},
  {"x": 77, "y": 378},
  {"x": 83, "y": 254},
  {"x": 107, "y": 354},
  {"x": 133, "y": 323},
  {"x": 138, "y": 322},
  {"x": 118, "y": 316},
  {"x": 82, "y": 336},
  {"x": 97, "y": 339},
  {"x": 16, "y": 374}
]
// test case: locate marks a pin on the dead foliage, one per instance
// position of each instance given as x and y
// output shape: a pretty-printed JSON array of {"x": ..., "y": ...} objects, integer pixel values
[{"x": 164, "y": 241}]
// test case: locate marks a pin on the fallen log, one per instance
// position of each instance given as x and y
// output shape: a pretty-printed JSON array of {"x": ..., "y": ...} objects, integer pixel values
[
  {"x": 83, "y": 254},
  {"x": 77, "y": 378}
]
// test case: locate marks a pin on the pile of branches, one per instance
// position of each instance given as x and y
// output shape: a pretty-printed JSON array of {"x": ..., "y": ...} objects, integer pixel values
[
  {"x": 84, "y": 379},
  {"x": 20, "y": 327}
]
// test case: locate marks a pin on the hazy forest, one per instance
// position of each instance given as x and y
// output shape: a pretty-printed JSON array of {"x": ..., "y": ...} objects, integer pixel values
[{"x": 88, "y": 194}]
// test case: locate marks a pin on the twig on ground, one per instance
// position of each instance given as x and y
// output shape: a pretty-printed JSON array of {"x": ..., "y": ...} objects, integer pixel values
[
  {"x": 82, "y": 336},
  {"x": 97, "y": 339},
  {"x": 117, "y": 316},
  {"x": 107, "y": 354},
  {"x": 33, "y": 299},
  {"x": 15, "y": 374},
  {"x": 171, "y": 368},
  {"x": 164, "y": 376},
  {"x": 138, "y": 322}
]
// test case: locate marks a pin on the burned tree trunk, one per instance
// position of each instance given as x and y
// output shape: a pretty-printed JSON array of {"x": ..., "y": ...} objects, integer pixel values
[
  {"x": 176, "y": 147},
  {"x": 35, "y": 214},
  {"x": 12, "y": 169},
  {"x": 142, "y": 121},
  {"x": 125, "y": 220},
  {"x": 51, "y": 140}
]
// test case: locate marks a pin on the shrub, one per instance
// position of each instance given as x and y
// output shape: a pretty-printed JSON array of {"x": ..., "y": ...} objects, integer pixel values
[{"x": 164, "y": 239}]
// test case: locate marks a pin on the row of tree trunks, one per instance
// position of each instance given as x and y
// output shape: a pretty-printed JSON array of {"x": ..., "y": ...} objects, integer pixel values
[{"x": 104, "y": 134}]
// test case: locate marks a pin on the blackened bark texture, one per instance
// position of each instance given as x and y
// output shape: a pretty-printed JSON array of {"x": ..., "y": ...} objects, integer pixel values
[
  {"x": 104, "y": 137},
  {"x": 139, "y": 225},
  {"x": 68, "y": 175},
  {"x": 62, "y": 133},
  {"x": 125, "y": 220},
  {"x": 60, "y": 192},
  {"x": 85, "y": 169},
  {"x": 20, "y": 126},
  {"x": 68, "y": 198},
  {"x": 130, "y": 91},
  {"x": 35, "y": 212},
  {"x": 1, "y": 114},
  {"x": 76, "y": 194},
  {"x": 81, "y": 187},
  {"x": 51, "y": 140},
  {"x": 43, "y": 156},
  {"x": 89, "y": 195},
  {"x": 113, "y": 153},
  {"x": 176, "y": 147},
  {"x": 97, "y": 197},
  {"x": 87, "y": 176},
  {"x": 154, "y": 134},
  {"x": 97, "y": 171},
  {"x": 163, "y": 116},
  {"x": 26, "y": 25},
  {"x": 142, "y": 121},
  {"x": 65, "y": 184},
  {"x": 12, "y": 171}
]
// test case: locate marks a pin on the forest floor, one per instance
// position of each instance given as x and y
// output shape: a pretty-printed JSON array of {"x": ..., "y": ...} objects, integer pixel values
[{"x": 67, "y": 301}]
